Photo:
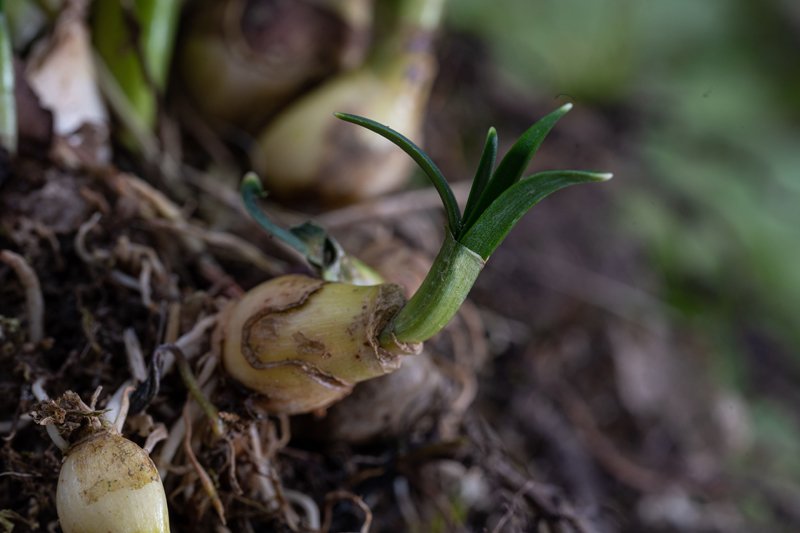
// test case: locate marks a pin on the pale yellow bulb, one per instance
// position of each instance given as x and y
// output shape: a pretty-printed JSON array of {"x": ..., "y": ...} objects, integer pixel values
[
  {"x": 303, "y": 343},
  {"x": 307, "y": 152},
  {"x": 108, "y": 484}
]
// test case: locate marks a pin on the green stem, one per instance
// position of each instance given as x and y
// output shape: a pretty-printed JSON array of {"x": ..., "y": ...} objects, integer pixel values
[
  {"x": 8, "y": 104},
  {"x": 251, "y": 191},
  {"x": 410, "y": 36},
  {"x": 495, "y": 205},
  {"x": 444, "y": 289},
  {"x": 421, "y": 14}
]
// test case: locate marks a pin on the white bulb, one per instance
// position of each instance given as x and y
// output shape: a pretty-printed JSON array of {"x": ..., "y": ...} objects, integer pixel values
[{"x": 109, "y": 484}]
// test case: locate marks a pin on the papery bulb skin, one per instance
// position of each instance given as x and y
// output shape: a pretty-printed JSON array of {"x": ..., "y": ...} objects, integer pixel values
[
  {"x": 303, "y": 343},
  {"x": 108, "y": 484}
]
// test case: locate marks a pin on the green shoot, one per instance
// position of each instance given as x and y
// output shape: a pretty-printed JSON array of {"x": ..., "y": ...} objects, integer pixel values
[
  {"x": 501, "y": 216},
  {"x": 498, "y": 199},
  {"x": 514, "y": 164},
  {"x": 321, "y": 251},
  {"x": 251, "y": 191},
  {"x": 421, "y": 158},
  {"x": 483, "y": 173},
  {"x": 496, "y": 202},
  {"x": 8, "y": 106}
]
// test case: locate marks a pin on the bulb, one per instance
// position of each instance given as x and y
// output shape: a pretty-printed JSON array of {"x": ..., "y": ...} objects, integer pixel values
[
  {"x": 306, "y": 151},
  {"x": 304, "y": 343},
  {"x": 242, "y": 61},
  {"x": 108, "y": 484}
]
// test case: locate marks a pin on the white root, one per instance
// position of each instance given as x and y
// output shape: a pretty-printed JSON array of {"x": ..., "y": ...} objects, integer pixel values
[
  {"x": 267, "y": 489},
  {"x": 38, "y": 390},
  {"x": 190, "y": 342},
  {"x": 133, "y": 349},
  {"x": 308, "y": 505},
  {"x": 56, "y": 437},
  {"x": 89, "y": 257},
  {"x": 40, "y": 394},
  {"x": 33, "y": 293},
  {"x": 158, "y": 434},
  {"x": 125, "y": 280},
  {"x": 227, "y": 242},
  {"x": 144, "y": 284},
  {"x": 174, "y": 440},
  {"x": 122, "y": 414},
  {"x": 207, "y": 371},
  {"x": 114, "y": 405}
]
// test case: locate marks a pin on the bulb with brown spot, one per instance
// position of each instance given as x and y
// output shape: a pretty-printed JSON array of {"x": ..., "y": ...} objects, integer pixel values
[
  {"x": 304, "y": 343},
  {"x": 108, "y": 484}
]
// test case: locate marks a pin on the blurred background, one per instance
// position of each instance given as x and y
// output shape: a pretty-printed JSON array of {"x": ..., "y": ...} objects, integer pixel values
[
  {"x": 642, "y": 364},
  {"x": 699, "y": 104}
]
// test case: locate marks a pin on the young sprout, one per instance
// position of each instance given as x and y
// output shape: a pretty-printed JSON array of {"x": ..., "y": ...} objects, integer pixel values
[{"x": 303, "y": 343}]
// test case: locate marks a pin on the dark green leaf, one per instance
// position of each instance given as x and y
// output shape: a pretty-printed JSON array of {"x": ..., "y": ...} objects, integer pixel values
[
  {"x": 251, "y": 191},
  {"x": 499, "y": 218},
  {"x": 483, "y": 173},
  {"x": 425, "y": 163},
  {"x": 514, "y": 163}
]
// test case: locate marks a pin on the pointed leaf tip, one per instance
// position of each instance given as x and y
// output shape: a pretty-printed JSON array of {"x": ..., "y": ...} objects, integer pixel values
[{"x": 513, "y": 164}]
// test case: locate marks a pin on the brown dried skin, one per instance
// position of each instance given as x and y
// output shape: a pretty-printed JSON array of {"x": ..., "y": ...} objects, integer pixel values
[{"x": 303, "y": 343}]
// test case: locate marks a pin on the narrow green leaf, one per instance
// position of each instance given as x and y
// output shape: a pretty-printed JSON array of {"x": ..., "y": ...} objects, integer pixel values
[
  {"x": 499, "y": 218},
  {"x": 135, "y": 41},
  {"x": 483, "y": 173},
  {"x": 251, "y": 191},
  {"x": 514, "y": 163},
  {"x": 422, "y": 159},
  {"x": 8, "y": 106}
]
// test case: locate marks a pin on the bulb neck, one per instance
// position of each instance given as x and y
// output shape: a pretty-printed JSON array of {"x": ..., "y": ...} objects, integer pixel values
[
  {"x": 421, "y": 14},
  {"x": 411, "y": 36}
]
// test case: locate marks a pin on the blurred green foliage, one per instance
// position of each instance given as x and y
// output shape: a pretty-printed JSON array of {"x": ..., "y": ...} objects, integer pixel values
[{"x": 716, "y": 85}]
